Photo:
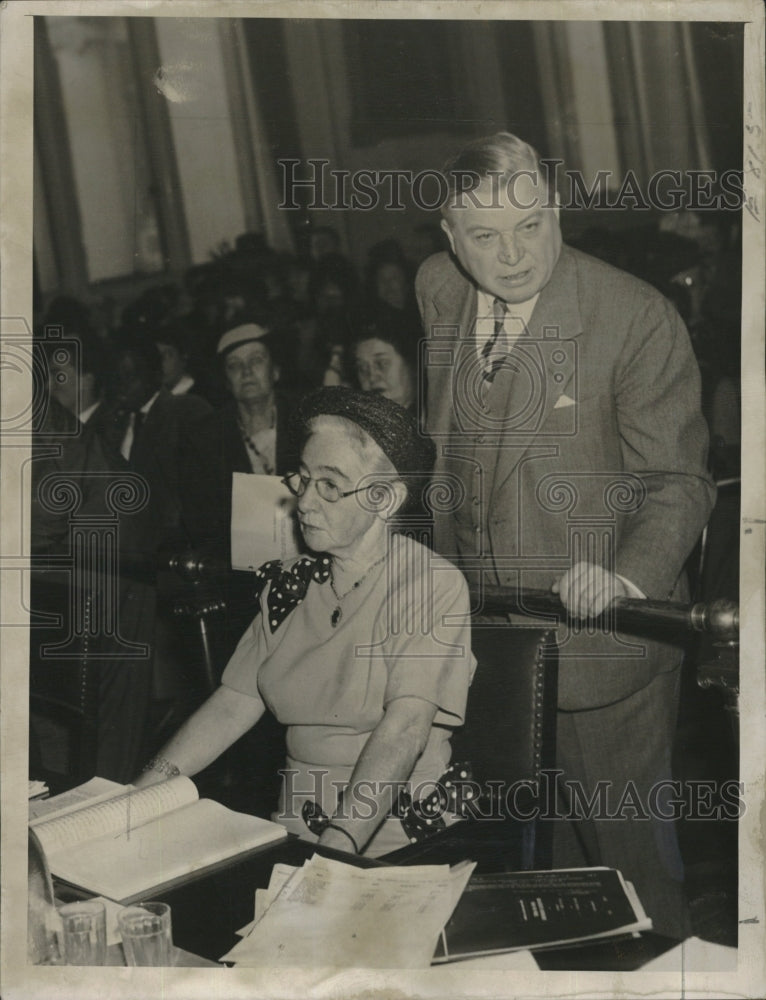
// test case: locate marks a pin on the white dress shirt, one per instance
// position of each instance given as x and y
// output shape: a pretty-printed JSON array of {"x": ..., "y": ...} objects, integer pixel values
[{"x": 516, "y": 319}]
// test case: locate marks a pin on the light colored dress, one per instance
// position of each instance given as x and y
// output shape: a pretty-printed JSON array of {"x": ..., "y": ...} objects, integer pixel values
[{"x": 405, "y": 631}]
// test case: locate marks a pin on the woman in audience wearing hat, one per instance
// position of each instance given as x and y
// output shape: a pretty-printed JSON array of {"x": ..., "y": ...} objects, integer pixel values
[
  {"x": 247, "y": 434},
  {"x": 362, "y": 650}
]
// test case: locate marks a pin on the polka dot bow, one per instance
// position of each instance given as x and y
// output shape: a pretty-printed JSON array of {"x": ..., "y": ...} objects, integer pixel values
[
  {"x": 289, "y": 586},
  {"x": 454, "y": 794}
]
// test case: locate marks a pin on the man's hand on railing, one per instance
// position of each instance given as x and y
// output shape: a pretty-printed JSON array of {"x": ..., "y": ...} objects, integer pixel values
[{"x": 587, "y": 589}]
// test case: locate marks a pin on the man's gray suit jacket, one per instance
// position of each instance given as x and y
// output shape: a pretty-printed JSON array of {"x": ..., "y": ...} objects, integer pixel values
[{"x": 588, "y": 445}]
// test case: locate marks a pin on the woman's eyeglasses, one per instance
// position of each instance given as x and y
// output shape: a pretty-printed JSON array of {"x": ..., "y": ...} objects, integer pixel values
[{"x": 297, "y": 484}]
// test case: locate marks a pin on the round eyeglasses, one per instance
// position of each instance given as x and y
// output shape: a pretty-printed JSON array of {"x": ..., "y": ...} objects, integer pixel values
[{"x": 297, "y": 484}]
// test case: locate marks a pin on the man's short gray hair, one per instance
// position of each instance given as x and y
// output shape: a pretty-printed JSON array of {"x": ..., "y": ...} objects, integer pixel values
[{"x": 501, "y": 155}]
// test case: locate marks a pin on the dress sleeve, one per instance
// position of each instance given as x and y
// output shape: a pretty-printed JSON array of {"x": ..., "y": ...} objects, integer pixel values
[
  {"x": 428, "y": 649},
  {"x": 241, "y": 672}
]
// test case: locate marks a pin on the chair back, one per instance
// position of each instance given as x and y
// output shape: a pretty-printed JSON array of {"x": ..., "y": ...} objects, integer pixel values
[
  {"x": 63, "y": 688},
  {"x": 509, "y": 739},
  {"x": 510, "y": 729}
]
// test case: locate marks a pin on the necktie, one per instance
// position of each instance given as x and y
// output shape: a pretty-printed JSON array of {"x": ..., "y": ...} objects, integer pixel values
[
  {"x": 495, "y": 349},
  {"x": 135, "y": 421},
  {"x": 289, "y": 586}
]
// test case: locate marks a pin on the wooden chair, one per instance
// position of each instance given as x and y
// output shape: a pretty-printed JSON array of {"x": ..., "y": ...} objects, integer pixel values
[
  {"x": 63, "y": 691},
  {"x": 509, "y": 738}
]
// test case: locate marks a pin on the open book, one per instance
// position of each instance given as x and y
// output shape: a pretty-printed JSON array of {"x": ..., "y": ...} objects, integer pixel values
[
  {"x": 540, "y": 909},
  {"x": 126, "y": 842}
]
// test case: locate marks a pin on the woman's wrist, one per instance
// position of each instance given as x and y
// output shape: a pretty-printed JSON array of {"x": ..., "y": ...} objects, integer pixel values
[
  {"x": 162, "y": 766},
  {"x": 346, "y": 833}
]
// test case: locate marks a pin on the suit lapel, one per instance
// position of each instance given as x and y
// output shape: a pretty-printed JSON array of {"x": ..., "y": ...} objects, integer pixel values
[
  {"x": 546, "y": 360},
  {"x": 445, "y": 341}
]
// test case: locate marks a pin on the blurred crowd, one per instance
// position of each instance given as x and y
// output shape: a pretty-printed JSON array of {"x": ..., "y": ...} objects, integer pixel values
[{"x": 191, "y": 382}]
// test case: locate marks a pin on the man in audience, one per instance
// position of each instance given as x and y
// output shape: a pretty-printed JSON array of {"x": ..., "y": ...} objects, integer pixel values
[
  {"x": 142, "y": 429},
  {"x": 77, "y": 368},
  {"x": 172, "y": 340},
  {"x": 563, "y": 396},
  {"x": 148, "y": 422}
]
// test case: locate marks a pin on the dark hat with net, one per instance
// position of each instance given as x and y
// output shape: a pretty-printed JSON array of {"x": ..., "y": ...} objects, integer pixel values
[{"x": 391, "y": 427}]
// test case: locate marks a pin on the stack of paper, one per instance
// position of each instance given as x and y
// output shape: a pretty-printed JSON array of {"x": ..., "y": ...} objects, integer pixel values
[
  {"x": 37, "y": 789},
  {"x": 263, "y": 524},
  {"x": 331, "y": 914}
]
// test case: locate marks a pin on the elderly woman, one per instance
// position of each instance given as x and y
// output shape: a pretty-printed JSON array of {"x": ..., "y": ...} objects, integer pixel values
[
  {"x": 363, "y": 650},
  {"x": 247, "y": 434}
]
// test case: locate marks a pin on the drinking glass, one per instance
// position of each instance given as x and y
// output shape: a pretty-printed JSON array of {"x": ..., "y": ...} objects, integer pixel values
[
  {"x": 146, "y": 934},
  {"x": 84, "y": 928}
]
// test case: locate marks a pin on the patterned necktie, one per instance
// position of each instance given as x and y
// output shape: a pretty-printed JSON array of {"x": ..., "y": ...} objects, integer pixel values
[
  {"x": 495, "y": 350},
  {"x": 289, "y": 586}
]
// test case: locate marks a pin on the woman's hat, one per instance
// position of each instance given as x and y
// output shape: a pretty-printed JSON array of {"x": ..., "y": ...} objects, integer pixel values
[
  {"x": 246, "y": 333},
  {"x": 390, "y": 426}
]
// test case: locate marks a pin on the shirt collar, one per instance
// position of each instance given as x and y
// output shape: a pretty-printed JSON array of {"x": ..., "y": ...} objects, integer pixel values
[
  {"x": 149, "y": 404},
  {"x": 183, "y": 385},
  {"x": 88, "y": 412},
  {"x": 523, "y": 310}
]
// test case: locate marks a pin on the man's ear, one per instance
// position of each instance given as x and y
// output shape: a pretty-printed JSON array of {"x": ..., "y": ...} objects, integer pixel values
[
  {"x": 277, "y": 372},
  {"x": 446, "y": 227}
]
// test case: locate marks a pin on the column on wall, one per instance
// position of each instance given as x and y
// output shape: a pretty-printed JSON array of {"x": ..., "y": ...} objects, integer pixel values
[
  {"x": 317, "y": 66},
  {"x": 257, "y": 171},
  {"x": 59, "y": 247},
  {"x": 190, "y": 83},
  {"x": 576, "y": 96},
  {"x": 617, "y": 97}
]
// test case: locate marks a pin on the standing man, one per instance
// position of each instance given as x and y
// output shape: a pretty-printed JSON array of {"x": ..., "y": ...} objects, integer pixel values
[{"x": 563, "y": 397}]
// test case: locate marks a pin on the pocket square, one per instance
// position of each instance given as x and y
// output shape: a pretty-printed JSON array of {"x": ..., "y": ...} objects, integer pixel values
[{"x": 563, "y": 401}]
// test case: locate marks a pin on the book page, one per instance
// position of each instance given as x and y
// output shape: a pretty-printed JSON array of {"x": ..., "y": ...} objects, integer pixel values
[
  {"x": 93, "y": 791},
  {"x": 115, "y": 816},
  {"x": 177, "y": 843}
]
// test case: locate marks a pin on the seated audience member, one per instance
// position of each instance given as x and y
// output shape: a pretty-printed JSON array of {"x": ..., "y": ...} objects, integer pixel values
[
  {"x": 63, "y": 452},
  {"x": 143, "y": 425},
  {"x": 247, "y": 434},
  {"x": 77, "y": 369},
  {"x": 324, "y": 242},
  {"x": 123, "y": 684},
  {"x": 384, "y": 359},
  {"x": 173, "y": 340},
  {"x": 390, "y": 281},
  {"x": 322, "y": 337},
  {"x": 365, "y": 720}
]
